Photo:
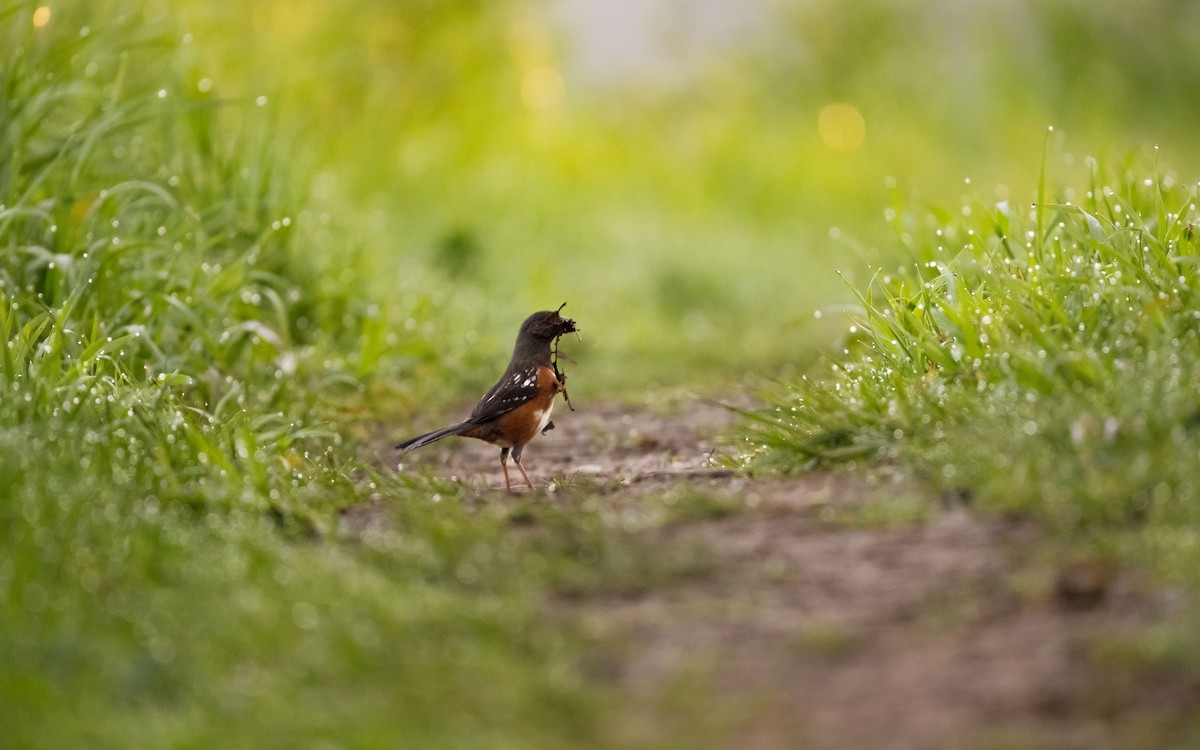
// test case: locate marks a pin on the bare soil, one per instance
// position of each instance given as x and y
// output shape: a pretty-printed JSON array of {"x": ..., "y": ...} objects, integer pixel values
[{"x": 819, "y": 623}]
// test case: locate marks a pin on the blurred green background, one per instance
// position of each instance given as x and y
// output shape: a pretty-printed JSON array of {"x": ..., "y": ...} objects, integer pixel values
[{"x": 674, "y": 169}]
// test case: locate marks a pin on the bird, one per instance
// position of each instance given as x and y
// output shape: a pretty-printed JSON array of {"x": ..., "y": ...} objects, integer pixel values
[{"x": 518, "y": 407}]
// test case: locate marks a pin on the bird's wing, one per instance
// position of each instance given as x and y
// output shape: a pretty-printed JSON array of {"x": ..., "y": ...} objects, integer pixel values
[{"x": 514, "y": 388}]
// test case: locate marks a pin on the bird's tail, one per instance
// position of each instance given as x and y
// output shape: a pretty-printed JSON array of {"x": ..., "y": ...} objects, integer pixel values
[{"x": 420, "y": 441}]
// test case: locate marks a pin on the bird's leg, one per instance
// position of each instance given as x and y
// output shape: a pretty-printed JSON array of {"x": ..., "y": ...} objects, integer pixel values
[
  {"x": 504, "y": 466},
  {"x": 517, "y": 460}
]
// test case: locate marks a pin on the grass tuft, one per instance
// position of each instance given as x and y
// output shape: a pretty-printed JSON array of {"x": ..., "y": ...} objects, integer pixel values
[
  {"x": 1046, "y": 368},
  {"x": 182, "y": 349}
]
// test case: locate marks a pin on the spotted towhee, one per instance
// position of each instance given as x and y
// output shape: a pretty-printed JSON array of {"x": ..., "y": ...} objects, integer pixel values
[{"x": 518, "y": 406}]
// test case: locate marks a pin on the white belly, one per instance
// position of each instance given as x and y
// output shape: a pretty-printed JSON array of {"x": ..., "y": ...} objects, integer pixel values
[{"x": 543, "y": 416}]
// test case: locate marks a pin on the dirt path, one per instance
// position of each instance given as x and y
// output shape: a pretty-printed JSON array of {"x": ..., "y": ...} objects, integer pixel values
[{"x": 827, "y": 619}]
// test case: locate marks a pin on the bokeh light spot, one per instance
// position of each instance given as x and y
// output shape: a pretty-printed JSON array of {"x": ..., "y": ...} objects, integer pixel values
[
  {"x": 842, "y": 127},
  {"x": 542, "y": 87},
  {"x": 41, "y": 16}
]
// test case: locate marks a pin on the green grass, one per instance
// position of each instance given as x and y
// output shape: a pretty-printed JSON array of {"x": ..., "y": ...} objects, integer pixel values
[
  {"x": 1037, "y": 360},
  {"x": 190, "y": 350},
  {"x": 231, "y": 239},
  {"x": 182, "y": 358}
]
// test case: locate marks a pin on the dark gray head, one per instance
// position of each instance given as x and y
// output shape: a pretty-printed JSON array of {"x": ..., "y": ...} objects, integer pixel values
[
  {"x": 547, "y": 324},
  {"x": 538, "y": 332}
]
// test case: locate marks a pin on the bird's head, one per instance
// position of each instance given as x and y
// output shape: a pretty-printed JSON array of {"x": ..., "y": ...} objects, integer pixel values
[{"x": 547, "y": 324}]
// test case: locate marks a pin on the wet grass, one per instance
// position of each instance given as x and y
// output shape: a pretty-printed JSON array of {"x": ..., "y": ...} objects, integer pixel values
[
  {"x": 1036, "y": 360},
  {"x": 190, "y": 348},
  {"x": 206, "y": 288},
  {"x": 184, "y": 351}
]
